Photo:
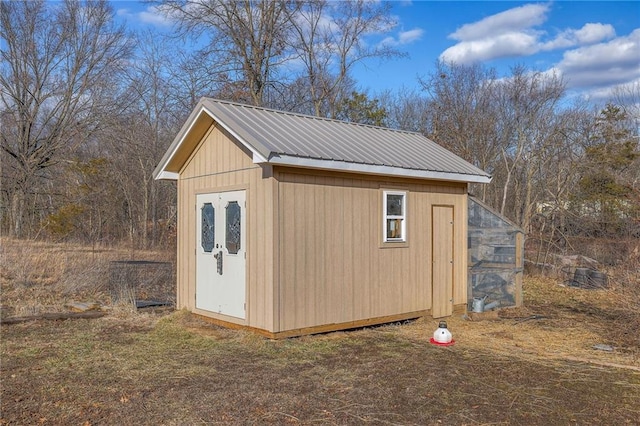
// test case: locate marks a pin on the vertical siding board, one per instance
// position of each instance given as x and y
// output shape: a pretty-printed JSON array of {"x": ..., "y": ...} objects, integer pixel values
[
  {"x": 361, "y": 253},
  {"x": 272, "y": 255},
  {"x": 339, "y": 284},
  {"x": 428, "y": 249},
  {"x": 411, "y": 277},
  {"x": 187, "y": 212},
  {"x": 266, "y": 252},
  {"x": 291, "y": 302},
  {"x": 320, "y": 239},
  {"x": 255, "y": 235},
  {"x": 370, "y": 246},
  {"x": 303, "y": 303},
  {"x": 424, "y": 254},
  {"x": 181, "y": 299},
  {"x": 377, "y": 254},
  {"x": 350, "y": 210},
  {"x": 315, "y": 238},
  {"x": 188, "y": 236}
]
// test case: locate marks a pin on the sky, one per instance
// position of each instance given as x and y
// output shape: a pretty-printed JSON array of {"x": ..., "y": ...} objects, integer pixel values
[{"x": 593, "y": 45}]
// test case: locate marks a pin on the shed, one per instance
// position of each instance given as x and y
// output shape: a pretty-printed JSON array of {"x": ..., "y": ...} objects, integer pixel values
[{"x": 290, "y": 224}]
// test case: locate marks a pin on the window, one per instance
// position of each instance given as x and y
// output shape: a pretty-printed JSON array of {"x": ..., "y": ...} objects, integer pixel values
[
  {"x": 233, "y": 227},
  {"x": 208, "y": 227},
  {"x": 394, "y": 216}
]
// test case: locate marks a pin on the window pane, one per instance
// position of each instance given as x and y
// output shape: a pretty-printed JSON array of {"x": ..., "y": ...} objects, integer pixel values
[
  {"x": 394, "y": 204},
  {"x": 394, "y": 229},
  {"x": 208, "y": 231},
  {"x": 233, "y": 227}
]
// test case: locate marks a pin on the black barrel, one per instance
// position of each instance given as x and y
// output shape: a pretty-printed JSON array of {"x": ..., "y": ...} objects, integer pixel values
[
  {"x": 581, "y": 277},
  {"x": 597, "y": 279}
]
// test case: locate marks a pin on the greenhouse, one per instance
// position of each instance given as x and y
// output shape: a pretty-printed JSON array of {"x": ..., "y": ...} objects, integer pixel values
[{"x": 495, "y": 247}]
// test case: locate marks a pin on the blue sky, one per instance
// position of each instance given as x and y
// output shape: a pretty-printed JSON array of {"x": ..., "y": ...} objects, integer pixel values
[{"x": 594, "y": 45}]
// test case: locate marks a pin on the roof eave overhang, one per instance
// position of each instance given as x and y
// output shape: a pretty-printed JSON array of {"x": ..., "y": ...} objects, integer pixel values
[
  {"x": 381, "y": 170},
  {"x": 167, "y": 170}
]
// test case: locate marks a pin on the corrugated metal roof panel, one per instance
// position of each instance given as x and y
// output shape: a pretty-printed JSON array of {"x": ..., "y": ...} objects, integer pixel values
[
  {"x": 284, "y": 133},
  {"x": 278, "y": 134}
]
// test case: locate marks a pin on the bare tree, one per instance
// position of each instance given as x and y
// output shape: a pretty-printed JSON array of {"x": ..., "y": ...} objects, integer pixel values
[
  {"x": 407, "y": 110},
  {"x": 463, "y": 113},
  {"x": 250, "y": 43},
  {"x": 58, "y": 63},
  {"x": 510, "y": 127},
  {"x": 246, "y": 39},
  {"x": 142, "y": 138},
  {"x": 191, "y": 78},
  {"x": 529, "y": 102},
  {"x": 329, "y": 39}
]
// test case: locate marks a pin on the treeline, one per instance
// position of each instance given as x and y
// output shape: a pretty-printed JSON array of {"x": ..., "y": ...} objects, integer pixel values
[{"x": 88, "y": 108}]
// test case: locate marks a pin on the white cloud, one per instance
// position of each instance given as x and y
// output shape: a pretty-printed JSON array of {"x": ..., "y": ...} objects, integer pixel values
[
  {"x": 150, "y": 16},
  {"x": 410, "y": 36},
  {"x": 590, "y": 33},
  {"x": 404, "y": 37},
  {"x": 509, "y": 21},
  {"x": 627, "y": 92},
  {"x": 515, "y": 33},
  {"x": 593, "y": 33},
  {"x": 153, "y": 16},
  {"x": 125, "y": 13},
  {"x": 509, "y": 44},
  {"x": 604, "y": 64}
]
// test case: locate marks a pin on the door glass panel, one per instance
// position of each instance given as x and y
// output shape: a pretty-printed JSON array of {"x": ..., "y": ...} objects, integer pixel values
[
  {"x": 233, "y": 227},
  {"x": 208, "y": 227}
]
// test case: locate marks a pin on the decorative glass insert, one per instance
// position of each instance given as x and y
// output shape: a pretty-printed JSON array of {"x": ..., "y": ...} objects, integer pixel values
[
  {"x": 394, "y": 216},
  {"x": 233, "y": 227},
  {"x": 207, "y": 228}
]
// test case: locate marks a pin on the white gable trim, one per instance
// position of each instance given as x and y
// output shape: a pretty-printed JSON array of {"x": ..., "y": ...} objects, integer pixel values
[
  {"x": 162, "y": 173},
  {"x": 165, "y": 175}
]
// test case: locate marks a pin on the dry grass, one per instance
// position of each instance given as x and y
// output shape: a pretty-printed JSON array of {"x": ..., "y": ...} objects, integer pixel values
[
  {"x": 179, "y": 370},
  {"x": 531, "y": 365},
  {"x": 39, "y": 277}
]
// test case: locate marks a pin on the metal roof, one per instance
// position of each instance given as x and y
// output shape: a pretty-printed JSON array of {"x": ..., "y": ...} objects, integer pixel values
[{"x": 279, "y": 137}]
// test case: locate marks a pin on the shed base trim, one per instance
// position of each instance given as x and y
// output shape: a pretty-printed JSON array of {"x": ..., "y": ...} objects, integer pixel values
[{"x": 324, "y": 328}]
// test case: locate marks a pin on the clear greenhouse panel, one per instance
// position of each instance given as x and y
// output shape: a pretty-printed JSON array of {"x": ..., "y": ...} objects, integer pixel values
[{"x": 493, "y": 261}]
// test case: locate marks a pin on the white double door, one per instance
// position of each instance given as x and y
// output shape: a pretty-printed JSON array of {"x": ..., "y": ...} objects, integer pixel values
[{"x": 221, "y": 253}]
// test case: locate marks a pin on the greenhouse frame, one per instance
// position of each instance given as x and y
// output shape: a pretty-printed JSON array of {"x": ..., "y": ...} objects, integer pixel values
[{"x": 496, "y": 259}]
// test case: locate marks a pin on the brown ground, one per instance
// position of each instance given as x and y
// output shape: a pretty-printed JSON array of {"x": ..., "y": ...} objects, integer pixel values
[{"x": 534, "y": 365}]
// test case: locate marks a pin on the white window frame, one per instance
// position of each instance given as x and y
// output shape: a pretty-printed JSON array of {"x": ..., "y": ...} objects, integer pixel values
[{"x": 386, "y": 217}]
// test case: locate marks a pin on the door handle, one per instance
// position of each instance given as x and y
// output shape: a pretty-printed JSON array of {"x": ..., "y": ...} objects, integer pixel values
[{"x": 218, "y": 257}]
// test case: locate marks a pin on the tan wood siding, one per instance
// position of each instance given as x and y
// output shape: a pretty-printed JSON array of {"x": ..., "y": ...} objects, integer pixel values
[
  {"x": 219, "y": 164},
  {"x": 333, "y": 267},
  {"x": 314, "y": 240}
]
